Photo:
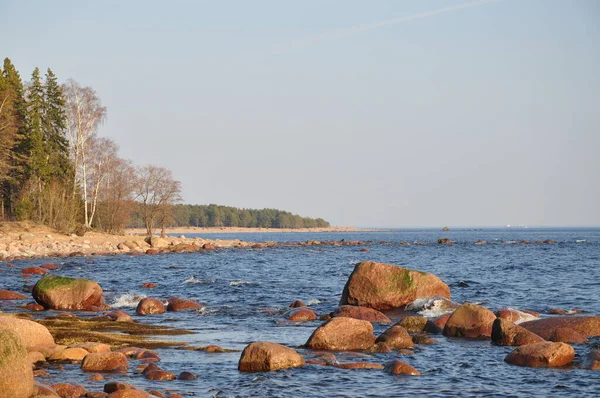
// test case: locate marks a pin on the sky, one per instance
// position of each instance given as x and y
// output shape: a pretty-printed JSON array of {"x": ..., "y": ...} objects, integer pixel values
[{"x": 366, "y": 113}]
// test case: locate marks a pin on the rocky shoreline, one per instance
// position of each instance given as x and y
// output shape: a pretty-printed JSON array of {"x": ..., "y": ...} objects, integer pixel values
[{"x": 111, "y": 343}]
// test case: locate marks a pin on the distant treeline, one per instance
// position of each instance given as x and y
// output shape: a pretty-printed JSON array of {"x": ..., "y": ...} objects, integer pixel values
[{"x": 225, "y": 216}]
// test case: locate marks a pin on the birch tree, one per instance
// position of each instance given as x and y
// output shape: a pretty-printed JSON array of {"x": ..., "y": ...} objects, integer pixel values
[{"x": 85, "y": 113}]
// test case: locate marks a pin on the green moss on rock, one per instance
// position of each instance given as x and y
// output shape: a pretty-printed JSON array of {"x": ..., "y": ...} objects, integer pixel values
[
  {"x": 51, "y": 282},
  {"x": 10, "y": 347}
]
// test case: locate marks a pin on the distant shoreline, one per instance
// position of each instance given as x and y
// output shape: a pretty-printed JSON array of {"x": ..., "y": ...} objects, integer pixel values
[{"x": 237, "y": 230}]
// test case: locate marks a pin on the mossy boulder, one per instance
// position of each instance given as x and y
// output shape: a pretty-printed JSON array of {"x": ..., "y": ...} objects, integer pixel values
[
  {"x": 16, "y": 375},
  {"x": 386, "y": 286},
  {"x": 64, "y": 293}
]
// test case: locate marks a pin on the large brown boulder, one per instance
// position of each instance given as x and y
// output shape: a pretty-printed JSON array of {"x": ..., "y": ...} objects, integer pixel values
[
  {"x": 301, "y": 314},
  {"x": 363, "y": 313},
  {"x": 178, "y": 304},
  {"x": 264, "y": 356},
  {"x": 67, "y": 390},
  {"x": 567, "y": 335},
  {"x": 104, "y": 362},
  {"x": 544, "y": 354},
  {"x": 588, "y": 326},
  {"x": 16, "y": 375},
  {"x": 342, "y": 334},
  {"x": 31, "y": 333},
  {"x": 396, "y": 337},
  {"x": 63, "y": 293},
  {"x": 504, "y": 332},
  {"x": 470, "y": 320},
  {"x": 150, "y": 306},
  {"x": 385, "y": 286}
]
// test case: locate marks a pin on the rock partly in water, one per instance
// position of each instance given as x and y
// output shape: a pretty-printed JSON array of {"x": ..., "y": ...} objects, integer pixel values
[
  {"x": 150, "y": 306},
  {"x": 396, "y": 337},
  {"x": 8, "y": 295},
  {"x": 419, "y": 324},
  {"x": 470, "y": 320},
  {"x": 516, "y": 316},
  {"x": 504, "y": 333},
  {"x": 63, "y": 293},
  {"x": 267, "y": 356},
  {"x": 300, "y": 314},
  {"x": 567, "y": 335},
  {"x": 397, "y": 367},
  {"x": 341, "y": 334},
  {"x": 363, "y": 313},
  {"x": 104, "y": 362},
  {"x": 385, "y": 286},
  {"x": 588, "y": 326},
  {"x": 178, "y": 304},
  {"x": 16, "y": 375},
  {"x": 544, "y": 354}
]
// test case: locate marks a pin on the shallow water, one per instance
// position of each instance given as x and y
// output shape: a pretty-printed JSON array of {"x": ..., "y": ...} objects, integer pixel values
[{"x": 246, "y": 292}]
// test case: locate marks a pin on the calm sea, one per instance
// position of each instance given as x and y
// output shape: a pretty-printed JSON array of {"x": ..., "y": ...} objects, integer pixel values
[{"x": 246, "y": 292}]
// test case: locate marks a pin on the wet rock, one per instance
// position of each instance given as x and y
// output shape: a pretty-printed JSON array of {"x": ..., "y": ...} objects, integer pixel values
[
  {"x": 34, "y": 307},
  {"x": 516, "y": 316},
  {"x": 592, "y": 360},
  {"x": 31, "y": 333},
  {"x": 396, "y": 337},
  {"x": 341, "y": 334},
  {"x": 147, "y": 355},
  {"x": 34, "y": 271},
  {"x": 208, "y": 246},
  {"x": 120, "y": 316},
  {"x": 160, "y": 375},
  {"x": 385, "y": 286},
  {"x": 213, "y": 349},
  {"x": 96, "y": 377},
  {"x": 66, "y": 390},
  {"x": 419, "y": 324},
  {"x": 148, "y": 285},
  {"x": 258, "y": 246},
  {"x": 567, "y": 335},
  {"x": 114, "y": 386},
  {"x": 444, "y": 241},
  {"x": 16, "y": 375},
  {"x": 177, "y": 304},
  {"x": 63, "y": 293},
  {"x": 301, "y": 314},
  {"x": 104, "y": 362},
  {"x": 151, "y": 367},
  {"x": 267, "y": 356},
  {"x": 441, "y": 320},
  {"x": 544, "y": 354},
  {"x": 470, "y": 320},
  {"x": 397, "y": 367},
  {"x": 187, "y": 376},
  {"x": 152, "y": 251},
  {"x": 504, "y": 333},
  {"x": 150, "y": 306},
  {"x": 363, "y": 313},
  {"x": 49, "y": 266},
  {"x": 8, "y": 295},
  {"x": 359, "y": 365},
  {"x": 130, "y": 351},
  {"x": 297, "y": 304},
  {"x": 423, "y": 339},
  {"x": 69, "y": 354},
  {"x": 379, "y": 347},
  {"x": 588, "y": 326}
]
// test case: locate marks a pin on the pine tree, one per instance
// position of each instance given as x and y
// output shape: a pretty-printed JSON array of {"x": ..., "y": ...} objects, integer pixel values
[
  {"x": 54, "y": 128},
  {"x": 38, "y": 168}
]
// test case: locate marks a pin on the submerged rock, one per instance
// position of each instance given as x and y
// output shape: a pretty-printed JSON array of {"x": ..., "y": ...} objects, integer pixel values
[
  {"x": 63, "y": 293},
  {"x": 341, "y": 334},
  {"x": 150, "y": 306},
  {"x": 267, "y": 356},
  {"x": 8, "y": 295},
  {"x": 470, "y": 320},
  {"x": 178, "y": 304},
  {"x": 385, "y": 286},
  {"x": 397, "y": 367},
  {"x": 544, "y": 354},
  {"x": 16, "y": 375}
]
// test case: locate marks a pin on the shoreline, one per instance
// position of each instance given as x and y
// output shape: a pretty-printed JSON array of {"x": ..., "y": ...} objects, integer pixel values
[{"x": 237, "y": 230}]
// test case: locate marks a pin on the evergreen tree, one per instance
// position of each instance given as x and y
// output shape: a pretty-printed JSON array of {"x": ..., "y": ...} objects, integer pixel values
[
  {"x": 54, "y": 128},
  {"x": 38, "y": 169}
]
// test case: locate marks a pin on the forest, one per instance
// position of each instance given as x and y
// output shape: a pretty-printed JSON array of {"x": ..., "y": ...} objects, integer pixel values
[{"x": 56, "y": 170}]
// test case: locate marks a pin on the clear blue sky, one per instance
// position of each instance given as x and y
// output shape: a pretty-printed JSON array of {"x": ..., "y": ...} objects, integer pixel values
[{"x": 475, "y": 116}]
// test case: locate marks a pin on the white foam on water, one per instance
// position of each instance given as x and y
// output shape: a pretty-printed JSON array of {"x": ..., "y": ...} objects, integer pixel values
[
  {"x": 240, "y": 283},
  {"x": 127, "y": 300},
  {"x": 431, "y": 307},
  {"x": 193, "y": 279},
  {"x": 314, "y": 302},
  {"x": 581, "y": 240},
  {"x": 523, "y": 316}
]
